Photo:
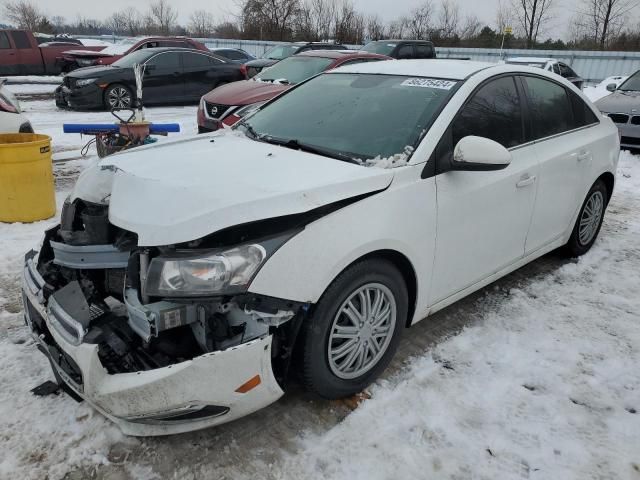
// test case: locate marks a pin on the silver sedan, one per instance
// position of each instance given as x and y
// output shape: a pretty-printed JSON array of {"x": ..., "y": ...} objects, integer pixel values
[{"x": 623, "y": 107}]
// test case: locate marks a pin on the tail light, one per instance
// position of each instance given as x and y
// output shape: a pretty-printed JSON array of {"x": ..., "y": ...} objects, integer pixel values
[{"x": 243, "y": 70}]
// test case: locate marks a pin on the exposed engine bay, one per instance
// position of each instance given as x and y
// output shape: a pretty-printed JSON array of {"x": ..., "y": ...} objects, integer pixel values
[{"x": 96, "y": 279}]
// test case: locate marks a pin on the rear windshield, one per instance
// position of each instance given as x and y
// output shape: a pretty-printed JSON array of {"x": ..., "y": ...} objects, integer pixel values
[
  {"x": 280, "y": 52},
  {"x": 383, "y": 48},
  {"x": 632, "y": 84},
  {"x": 294, "y": 69},
  {"x": 364, "y": 116}
]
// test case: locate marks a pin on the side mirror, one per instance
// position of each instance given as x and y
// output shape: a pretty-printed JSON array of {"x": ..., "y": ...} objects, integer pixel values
[
  {"x": 480, "y": 154},
  {"x": 612, "y": 87}
]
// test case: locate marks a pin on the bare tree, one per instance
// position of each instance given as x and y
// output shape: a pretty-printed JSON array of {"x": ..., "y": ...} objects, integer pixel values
[
  {"x": 24, "y": 14},
  {"x": 532, "y": 15},
  {"x": 396, "y": 29},
  {"x": 375, "y": 28},
  {"x": 448, "y": 19},
  {"x": 418, "y": 24},
  {"x": 601, "y": 20},
  {"x": 349, "y": 24},
  {"x": 132, "y": 21},
  {"x": 470, "y": 27},
  {"x": 116, "y": 23},
  {"x": 270, "y": 19},
  {"x": 163, "y": 16},
  {"x": 201, "y": 23}
]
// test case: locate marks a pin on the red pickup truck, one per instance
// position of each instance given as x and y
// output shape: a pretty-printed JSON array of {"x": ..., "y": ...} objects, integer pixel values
[{"x": 21, "y": 55}]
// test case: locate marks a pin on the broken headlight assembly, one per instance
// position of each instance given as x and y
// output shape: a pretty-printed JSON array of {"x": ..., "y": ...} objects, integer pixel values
[{"x": 208, "y": 272}]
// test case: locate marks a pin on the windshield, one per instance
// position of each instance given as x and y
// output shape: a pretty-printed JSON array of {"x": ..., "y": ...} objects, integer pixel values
[
  {"x": 280, "y": 52},
  {"x": 383, "y": 48},
  {"x": 128, "y": 61},
  {"x": 294, "y": 69},
  {"x": 632, "y": 84},
  {"x": 362, "y": 116}
]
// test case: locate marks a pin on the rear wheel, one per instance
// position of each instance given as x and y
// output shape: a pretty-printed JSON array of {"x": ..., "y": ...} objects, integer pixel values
[
  {"x": 589, "y": 221},
  {"x": 355, "y": 329},
  {"x": 118, "y": 96}
]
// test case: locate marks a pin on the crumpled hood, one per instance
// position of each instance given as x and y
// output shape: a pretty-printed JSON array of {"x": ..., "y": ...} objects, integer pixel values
[
  {"x": 187, "y": 189},
  {"x": 244, "y": 92},
  {"x": 619, "y": 102},
  {"x": 87, "y": 53}
]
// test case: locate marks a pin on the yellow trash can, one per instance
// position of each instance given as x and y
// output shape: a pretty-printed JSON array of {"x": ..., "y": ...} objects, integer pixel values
[{"x": 27, "y": 190}]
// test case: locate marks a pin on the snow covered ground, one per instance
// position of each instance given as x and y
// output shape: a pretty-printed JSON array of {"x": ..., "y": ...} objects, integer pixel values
[{"x": 543, "y": 384}]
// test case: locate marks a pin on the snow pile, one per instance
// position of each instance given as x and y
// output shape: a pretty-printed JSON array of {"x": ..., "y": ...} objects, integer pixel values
[
  {"x": 599, "y": 91},
  {"x": 546, "y": 387},
  {"x": 397, "y": 160}
]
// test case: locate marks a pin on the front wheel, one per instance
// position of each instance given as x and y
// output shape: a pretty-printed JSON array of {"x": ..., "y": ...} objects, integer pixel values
[
  {"x": 118, "y": 96},
  {"x": 589, "y": 221},
  {"x": 355, "y": 329}
]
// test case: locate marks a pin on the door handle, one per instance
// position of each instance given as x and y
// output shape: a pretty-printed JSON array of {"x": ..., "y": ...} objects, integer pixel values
[
  {"x": 583, "y": 156},
  {"x": 526, "y": 180}
]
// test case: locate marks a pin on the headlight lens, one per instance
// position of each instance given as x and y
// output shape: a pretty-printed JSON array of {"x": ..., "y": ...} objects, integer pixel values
[
  {"x": 227, "y": 271},
  {"x": 248, "y": 109},
  {"x": 85, "y": 62},
  {"x": 85, "y": 81}
]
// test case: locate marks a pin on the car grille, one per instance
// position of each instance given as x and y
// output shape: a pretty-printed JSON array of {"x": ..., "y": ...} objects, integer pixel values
[
  {"x": 216, "y": 110},
  {"x": 619, "y": 117},
  {"x": 635, "y": 120},
  {"x": 630, "y": 141}
]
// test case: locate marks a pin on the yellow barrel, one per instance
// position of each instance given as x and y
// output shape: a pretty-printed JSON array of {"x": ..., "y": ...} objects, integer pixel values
[{"x": 27, "y": 190}]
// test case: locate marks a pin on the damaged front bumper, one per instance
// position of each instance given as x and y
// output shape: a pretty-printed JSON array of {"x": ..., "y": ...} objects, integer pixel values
[{"x": 207, "y": 390}]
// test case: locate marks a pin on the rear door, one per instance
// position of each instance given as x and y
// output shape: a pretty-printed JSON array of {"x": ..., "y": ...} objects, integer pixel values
[
  {"x": 565, "y": 148},
  {"x": 483, "y": 217},
  {"x": 29, "y": 57},
  {"x": 202, "y": 74},
  {"x": 164, "y": 79},
  {"x": 8, "y": 56}
]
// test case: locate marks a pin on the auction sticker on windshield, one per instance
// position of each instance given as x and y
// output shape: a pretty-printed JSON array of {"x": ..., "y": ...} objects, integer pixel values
[{"x": 429, "y": 83}]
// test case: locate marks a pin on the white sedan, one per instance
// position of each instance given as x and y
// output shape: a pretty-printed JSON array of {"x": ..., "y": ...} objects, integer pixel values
[
  {"x": 11, "y": 118},
  {"x": 187, "y": 280}
]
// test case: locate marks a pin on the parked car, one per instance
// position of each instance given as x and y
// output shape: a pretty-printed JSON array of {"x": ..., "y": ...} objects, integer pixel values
[
  {"x": 551, "y": 65},
  {"x": 172, "y": 75},
  {"x": 85, "y": 58},
  {"x": 11, "y": 118},
  {"x": 20, "y": 54},
  {"x": 402, "y": 49},
  {"x": 236, "y": 55},
  {"x": 310, "y": 229},
  {"x": 623, "y": 107},
  {"x": 227, "y": 104},
  {"x": 279, "y": 52}
]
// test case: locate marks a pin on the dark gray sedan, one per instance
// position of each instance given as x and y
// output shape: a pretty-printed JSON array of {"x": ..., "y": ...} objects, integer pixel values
[{"x": 623, "y": 107}]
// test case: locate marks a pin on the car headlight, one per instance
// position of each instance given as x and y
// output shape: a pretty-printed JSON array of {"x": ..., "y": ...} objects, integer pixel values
[
  {"x": 248, "y": 109},
  {"x": 85, "y": 62},
  {"x": 206, "y": 273},
  {"x": 85, "y": 81}
]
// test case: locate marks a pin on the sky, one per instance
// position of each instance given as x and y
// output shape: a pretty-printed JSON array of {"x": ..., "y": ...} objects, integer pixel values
[{"x": 485, "y": 10}]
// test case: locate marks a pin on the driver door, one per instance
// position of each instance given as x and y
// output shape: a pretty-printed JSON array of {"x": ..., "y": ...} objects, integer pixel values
[
  {"x": 483, "y": 217},
  {"x": 164, "y": 79}
]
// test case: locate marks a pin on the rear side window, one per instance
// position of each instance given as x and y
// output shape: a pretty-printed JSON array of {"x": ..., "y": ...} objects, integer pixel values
[
  {"x": 582, "y": 114},
  {"x": 20, "y": 39},
  {"x": 424, "y": 51},
  {"x": 174, "y": 43},
  {"x": 550, "y": 108},
  {"x": 493, "y": 112},
  {"x": 566, "y": 72},
  {"x": 234, "y": 55},
  {"x": 195, "y": 61},
  {"x": 4, "y": 40}
]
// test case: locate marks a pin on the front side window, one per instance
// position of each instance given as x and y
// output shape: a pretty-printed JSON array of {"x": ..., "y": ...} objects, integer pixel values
[
  {"x": 168, "y": 60},
  {"x": 196, "y": 60},
  {"x": 128, "y": 61},
  {"x": 493, "y": 112},
  {"x": 405, "y": 51},
  {"x": 4, "y": 40},
  {"x": 362, "y": 116},
  {"x": 424, "y": 51},
  {"x": 549, "y": 106}
]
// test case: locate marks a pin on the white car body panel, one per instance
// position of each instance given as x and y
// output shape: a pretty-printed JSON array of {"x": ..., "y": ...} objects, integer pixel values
[
  {"x": 189, "y": 202},
  {"x": 11, "y": 122}
]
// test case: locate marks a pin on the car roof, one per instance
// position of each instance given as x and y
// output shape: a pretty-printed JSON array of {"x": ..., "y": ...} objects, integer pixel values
[
  {"x": 530, "y": 59},
  {"x": 336, "y": 54},
  {"x": 450, "y": 69},
  {"x": 398, "y": 40}
]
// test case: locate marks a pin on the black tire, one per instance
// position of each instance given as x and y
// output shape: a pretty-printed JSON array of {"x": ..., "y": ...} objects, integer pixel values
[
  {"x": 578, "y": 243},
  {"x": 119, "y": 91},
  {"x": 317, "y": 372}
]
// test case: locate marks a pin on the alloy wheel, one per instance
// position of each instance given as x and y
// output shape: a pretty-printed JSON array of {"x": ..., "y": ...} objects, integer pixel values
[
  {"x": 590, "y": 218},
  {"x": 119, "y": 97},
  {"x": 361, "y": 331}
]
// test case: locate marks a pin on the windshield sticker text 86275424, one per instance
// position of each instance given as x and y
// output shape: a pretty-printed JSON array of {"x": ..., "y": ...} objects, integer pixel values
[{"x": 429, "y": 83}]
